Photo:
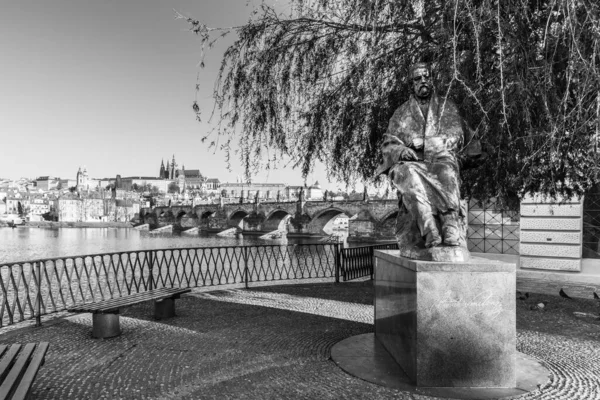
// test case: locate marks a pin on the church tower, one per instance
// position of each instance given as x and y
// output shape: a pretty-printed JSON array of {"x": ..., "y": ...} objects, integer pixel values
[
  {"x": 161, "y": 174},
  {"x": 181, "y": 179},
  {"x": 79, "y": 179},
  {"x": 173, "y": 168},
  {"x": 166, "y": 174}
]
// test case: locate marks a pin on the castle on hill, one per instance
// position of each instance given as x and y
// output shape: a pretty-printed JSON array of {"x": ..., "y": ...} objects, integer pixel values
[{"x": 186, "y": 178}]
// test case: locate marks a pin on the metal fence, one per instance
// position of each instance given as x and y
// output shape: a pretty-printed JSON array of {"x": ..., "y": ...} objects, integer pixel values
[
  {"x": 357, "y": 262},
  {"x": 31, "y": 289},
  {"x": 492, "y": 229},
  {"x": 591, "y": 223}
]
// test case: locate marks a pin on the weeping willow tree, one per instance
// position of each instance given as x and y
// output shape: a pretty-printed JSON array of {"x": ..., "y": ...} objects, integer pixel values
[{"x": 321, "y": 80}]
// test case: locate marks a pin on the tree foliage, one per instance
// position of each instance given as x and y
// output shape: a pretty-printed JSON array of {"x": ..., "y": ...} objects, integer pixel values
[
  {"x": 321, "y": 81},
  {"x": 173, "y": 188},
  {"x": 153, "y": 189}
]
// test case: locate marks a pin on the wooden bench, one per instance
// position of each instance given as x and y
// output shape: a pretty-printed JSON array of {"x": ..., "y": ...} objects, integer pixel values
[
  {"x": 105, "y": 318},
  {"x": 19, "y": 364}
]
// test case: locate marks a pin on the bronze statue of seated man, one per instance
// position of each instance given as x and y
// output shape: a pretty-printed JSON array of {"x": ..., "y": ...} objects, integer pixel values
[{"x": 424, "y": 146}]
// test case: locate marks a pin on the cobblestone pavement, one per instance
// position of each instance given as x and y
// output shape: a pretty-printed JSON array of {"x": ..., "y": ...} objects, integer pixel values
[{"x": 262, "y": 343}]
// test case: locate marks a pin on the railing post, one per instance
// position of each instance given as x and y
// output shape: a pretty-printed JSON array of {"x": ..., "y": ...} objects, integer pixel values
[
  {"x": 246, "y": 267},
  {"x": 338, "y": 262},
  {"x": 151, "y": 266},
  {"x": 372, "y": 251},
  {"x": 38, "y": 300}
]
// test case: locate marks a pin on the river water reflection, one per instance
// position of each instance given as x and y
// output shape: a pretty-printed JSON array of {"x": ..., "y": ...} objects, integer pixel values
[{"x": 21, "y": 244}]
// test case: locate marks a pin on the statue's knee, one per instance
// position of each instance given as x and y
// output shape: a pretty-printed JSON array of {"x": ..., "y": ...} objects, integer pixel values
[
  {"x": 444, "y": 171},
  {"x": 403, "y": 172},
  {"x": 402, "y": 169}
]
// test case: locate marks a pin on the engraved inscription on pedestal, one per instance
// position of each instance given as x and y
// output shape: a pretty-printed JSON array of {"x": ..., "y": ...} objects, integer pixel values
[{"x": 466, "y": 329}]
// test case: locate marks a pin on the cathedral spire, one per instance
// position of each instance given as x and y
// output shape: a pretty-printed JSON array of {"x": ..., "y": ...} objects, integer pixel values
[
  {"x": 173, "y": 168},
  {"x": 161, "y": 174}
]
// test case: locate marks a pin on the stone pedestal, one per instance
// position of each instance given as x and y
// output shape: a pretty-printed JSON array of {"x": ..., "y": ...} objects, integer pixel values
[{"x": 448, "y": 324}]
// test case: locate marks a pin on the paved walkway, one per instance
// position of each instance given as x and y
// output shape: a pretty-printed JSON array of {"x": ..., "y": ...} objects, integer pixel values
[{"x": 274, "y": 343}]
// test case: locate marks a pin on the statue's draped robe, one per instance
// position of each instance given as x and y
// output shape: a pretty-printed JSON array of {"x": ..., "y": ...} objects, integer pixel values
[{"x": 431, "y": 185}]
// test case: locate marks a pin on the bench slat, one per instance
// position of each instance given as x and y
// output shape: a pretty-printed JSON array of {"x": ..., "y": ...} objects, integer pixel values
[
  {"x": 133, "y": 297},
  {"x": 156, "y": 292},
  {"x": 36, "y": 362},
  {"x": 2, "y": 349},
  {"x": 7, "y": 360},
  {"x": 16, "y": 371},
  {"x": 125, "y": 301}
]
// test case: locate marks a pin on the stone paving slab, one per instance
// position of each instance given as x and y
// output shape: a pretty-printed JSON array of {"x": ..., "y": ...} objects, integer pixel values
[{"x": 262, "y": 343}]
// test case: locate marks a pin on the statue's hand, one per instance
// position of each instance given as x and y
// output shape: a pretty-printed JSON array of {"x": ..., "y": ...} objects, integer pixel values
[{"x": 407, "y": 154}]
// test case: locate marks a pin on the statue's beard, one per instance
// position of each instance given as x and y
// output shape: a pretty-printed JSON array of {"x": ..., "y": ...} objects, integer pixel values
[{"x": 423, "y": 91}]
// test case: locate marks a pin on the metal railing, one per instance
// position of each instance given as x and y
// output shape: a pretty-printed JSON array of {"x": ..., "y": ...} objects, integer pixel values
[
  {"x": 591, "y": 223},
  {"x": 491, "y": 228},
  {"x": 357, "y": 262},
  {"x": 31, "y": 289}
]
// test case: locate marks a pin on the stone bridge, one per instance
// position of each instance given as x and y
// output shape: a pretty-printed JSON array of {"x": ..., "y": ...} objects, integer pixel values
[{"x": 371, "y": 219}]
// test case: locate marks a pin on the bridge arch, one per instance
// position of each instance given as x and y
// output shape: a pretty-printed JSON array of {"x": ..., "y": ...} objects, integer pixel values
[
  {"x": 387, "y": 224},
  {"x": 180, "y": 215},
  {"x": 236, "y": 218},
  {"x": 321, "y": 219},
  {"x": 207, "y": 214},
  {"x": 151, "y": 219},
  {"x": 276, "y": 220},
  {"x": 165, "y": 215},
  {"x": 186, "y": 218}
]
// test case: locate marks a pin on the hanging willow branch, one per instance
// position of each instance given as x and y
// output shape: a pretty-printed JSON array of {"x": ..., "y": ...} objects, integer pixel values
[{"x": 321, "y": 83}]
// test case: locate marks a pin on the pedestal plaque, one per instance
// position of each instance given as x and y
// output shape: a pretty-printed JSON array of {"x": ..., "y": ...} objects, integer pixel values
[{"x": 448, "y": 324}]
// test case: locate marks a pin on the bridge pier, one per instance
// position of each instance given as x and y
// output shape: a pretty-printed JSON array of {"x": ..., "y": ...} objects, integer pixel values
[{"x": 254, "y": 222}]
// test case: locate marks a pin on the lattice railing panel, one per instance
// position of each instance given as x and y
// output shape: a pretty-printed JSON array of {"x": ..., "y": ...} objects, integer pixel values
[
  {"x": 357, "y": 262},
  {"x": 492, "y": 229},
  {"x": 45, "y": 286},
  {"x": 591, "y": 224}
]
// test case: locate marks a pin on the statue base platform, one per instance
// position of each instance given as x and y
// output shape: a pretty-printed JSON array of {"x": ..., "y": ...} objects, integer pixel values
[
  {"x": 439, "y": 253},
  {"x": 364, "y": 357},
  {"x": 448, "y": 324}
]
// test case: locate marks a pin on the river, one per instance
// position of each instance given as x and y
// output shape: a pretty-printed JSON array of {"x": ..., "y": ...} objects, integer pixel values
[{"x": 21, "y": 244}]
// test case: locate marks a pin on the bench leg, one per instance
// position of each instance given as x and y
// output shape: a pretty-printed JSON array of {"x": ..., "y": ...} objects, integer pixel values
[
  {"x": 105, "y": 325},
  {"x": 164, "y": 308}
]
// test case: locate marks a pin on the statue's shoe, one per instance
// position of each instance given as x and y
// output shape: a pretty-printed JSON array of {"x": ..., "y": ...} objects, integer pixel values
[
  {"x": 432, "y": 239},
  {"x": 451, "y": 236}
]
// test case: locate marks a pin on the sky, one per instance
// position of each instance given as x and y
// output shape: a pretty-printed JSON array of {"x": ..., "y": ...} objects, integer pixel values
[{"x": 109, "y": 85}]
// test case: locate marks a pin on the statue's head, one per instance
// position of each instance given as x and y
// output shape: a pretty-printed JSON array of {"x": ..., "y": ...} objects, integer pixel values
[{"x": 421, "y": 81}]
